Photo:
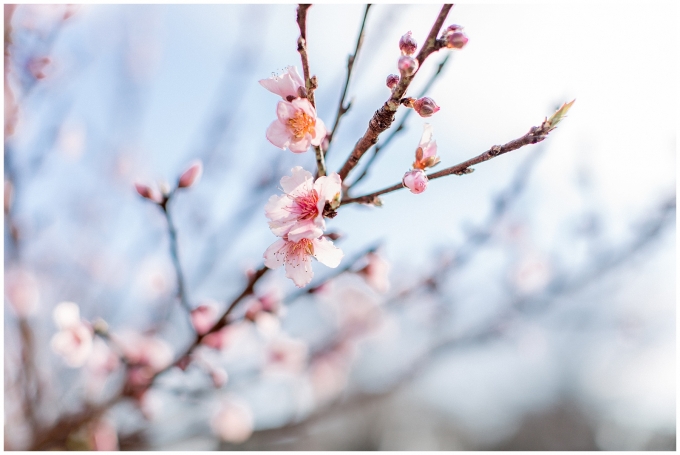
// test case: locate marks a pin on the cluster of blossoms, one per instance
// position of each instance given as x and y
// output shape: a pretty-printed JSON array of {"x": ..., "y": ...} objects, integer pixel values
[{"x": 298, "y": 216}]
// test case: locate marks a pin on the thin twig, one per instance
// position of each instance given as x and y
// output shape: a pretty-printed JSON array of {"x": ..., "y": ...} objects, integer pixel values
[
  {"x": 535, "y": 135},
  {"x": 401, "y": 126},
  {"x": 383, "y": 117},
  {"x": 342, "y": 108},
  {"x": 310, "y": 82},
  {"x": 174, "y": 252}
]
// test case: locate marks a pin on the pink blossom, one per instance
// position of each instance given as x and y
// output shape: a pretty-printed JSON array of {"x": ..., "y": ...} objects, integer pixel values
[
  {"x": 74, "y": 340},
  {"x": 376, "y": 272},
  {"x": 234, "y": 422},
  {"x": 149, "y": 193},
  {"x": 426, "y": 153},
  {"x": 415, "y": 180},
  {"x": 286, "y": 85},
  {"x": 204, "y": 317},
  {"x": 104, "y": 436},
  {"x": 425, "y": 107},
  {"x": 296, "y": 127},
  {"x": 297, "y": 256},
  {"x": 192, "y": 175},
  {"x": 21, "y": 291},
  {"x": 299, "y": 213}
]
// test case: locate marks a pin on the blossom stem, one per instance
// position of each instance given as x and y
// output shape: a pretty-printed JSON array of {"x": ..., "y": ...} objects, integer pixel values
[
  {"x": 342, "y": 108},
  {"x": 401, "y": 126},
  {"x": 383, "y": 117},
  {"x": 310, "y": 82},
  {"x": 535, "y": 135}
]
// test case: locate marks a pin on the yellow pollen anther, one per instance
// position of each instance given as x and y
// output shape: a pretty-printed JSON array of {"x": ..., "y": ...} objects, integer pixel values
[{"x": 301, "y": 124}]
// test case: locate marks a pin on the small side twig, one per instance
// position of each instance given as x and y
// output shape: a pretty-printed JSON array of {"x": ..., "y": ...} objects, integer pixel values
[
  {"x": 383, "y": 117},
  {"x": 342, "y": 108}
]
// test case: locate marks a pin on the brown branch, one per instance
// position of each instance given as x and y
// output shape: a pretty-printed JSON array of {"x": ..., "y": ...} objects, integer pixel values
[
  {"x": 342, "y": 108},
  {"x": 174, "y": 253},
  {"x": 310, "y": 82},
  {"x": 383, "y": 117},
  {"x": 535, "y": 135},
  {"x": 401, "y": 126}
]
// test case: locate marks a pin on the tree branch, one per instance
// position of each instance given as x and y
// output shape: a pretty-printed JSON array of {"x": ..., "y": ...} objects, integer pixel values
[
  {"x": 383, "y": 117},
  {"x": 310, "y": 82},
  {"x": 535, "y": 135},
  {"x": 174, "y": 253},
  {"x": 402, "y": 123}
]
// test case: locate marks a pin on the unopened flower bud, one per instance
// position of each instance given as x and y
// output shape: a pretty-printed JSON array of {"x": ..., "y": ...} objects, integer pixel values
[
  {"x": 456, "y": 40},
  {"x": 392, "y": 81},
  {"x": 415, "y": 180},
  {"x": 192, "y": 175},
  {"x": 425, "y": 106},
  {"x": 407, "y": 65},
  {"x": 407, "y": 44},
  {"x": 453, "y": 28},
  {"x": 148, "y": 193}
]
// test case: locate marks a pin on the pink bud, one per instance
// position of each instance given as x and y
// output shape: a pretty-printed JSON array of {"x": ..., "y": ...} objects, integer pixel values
[
  {"x": 407, "y": 44},
  {"x": 415, "y": 180},
  {"x": 392, "y": 81},
  {"x": 191, "y": 176},
  {"x": 453, "y": 28},
  {"x": 148, "y": 193},
  {"x": 456, "y": 40},
  {"x": 204, "y": 317},
  {"x": 425, "y": 106},
  {"x": 407, "y": 65}
]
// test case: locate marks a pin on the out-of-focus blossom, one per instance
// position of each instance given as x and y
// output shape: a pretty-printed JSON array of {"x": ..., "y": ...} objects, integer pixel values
[
  {"x": 219, "y": 377},
  {"x": 328, "y": 375},
  {"x": 21, "y": 290},
  {"x": 425, "y": 107},
  {"x": 39, "y": 67},
  {"x": 192, "y": 175},
  {"x": 426, "y": 153},
  {"x": 223, "y": 337},
  {"x": 532, "y": 274},
  {"x": 407, "y": 65},
  {"x": 149, "y": 193},
  {"x": 147, "y": 351},
  {"x": 297, "y": 257},
  {"x": 392, "y": 81},
  {"x": 287, "y": 85},
  {"x": 204, "y": 316},
  {"x": 104, "y": 436},
  {"x": 285, "y": 355},
  {"x": 299, "y": 213},
  {"x": 73, "y": 341},
  {"x": 268, "y": 325},
  {"x": 407, "y": 44},
  {"x": 234, "y": 421},
  {"x": 415, "y": 180},
  {"x": 296, "y": 126},
  {"x": 376, "y": 272},
  {"x": 71, "y": 140}
]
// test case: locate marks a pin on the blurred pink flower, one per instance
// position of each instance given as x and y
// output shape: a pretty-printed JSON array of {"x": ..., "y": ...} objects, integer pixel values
[
  {"x": 21, "y": 291},
  {"x": 299, "y": 213},
  {"x": 73, "y": 341},
  {"x": 376, "y": 272},
  {"x": 145, "y": 351},
  {"x": 297, "y": 256},
  {"x": 296, "y": 126},
  {"x": 204, "y": 317},
  {"x": 285, "y": 85},
  {"x": 149, "y": 193},
  {"x": 426, "y": 153},
  {"x": 191, "y": 176},
  {"x": 285, "y": 355},
  {"x": 415, "y": 180},
  {"x": 234, "y": 421},
  {"x": 104, "y": 436}
]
